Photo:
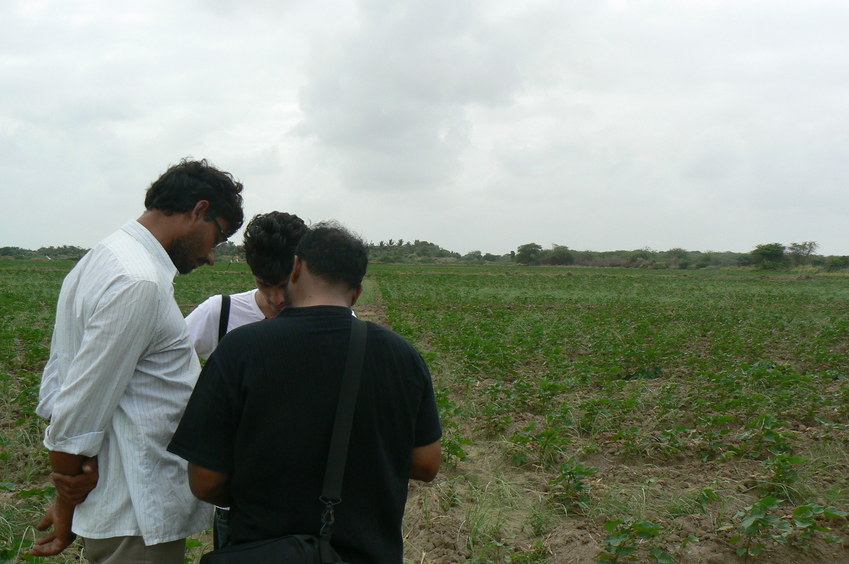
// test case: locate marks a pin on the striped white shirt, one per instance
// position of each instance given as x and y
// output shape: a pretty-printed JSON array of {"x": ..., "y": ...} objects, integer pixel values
[{"x": 120, "y": 373}]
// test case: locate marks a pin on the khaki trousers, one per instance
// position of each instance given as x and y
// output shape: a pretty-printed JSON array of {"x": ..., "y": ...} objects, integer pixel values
[{"x": 132, "y": 550}]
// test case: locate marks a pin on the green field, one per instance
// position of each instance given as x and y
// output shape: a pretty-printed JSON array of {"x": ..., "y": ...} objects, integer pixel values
[{"x": 590, "y": 414}]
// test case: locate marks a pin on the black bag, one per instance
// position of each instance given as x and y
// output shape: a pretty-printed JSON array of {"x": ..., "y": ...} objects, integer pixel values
[
  {"x": 309, "y": 549},
  {"x": 291, "y": 549}
]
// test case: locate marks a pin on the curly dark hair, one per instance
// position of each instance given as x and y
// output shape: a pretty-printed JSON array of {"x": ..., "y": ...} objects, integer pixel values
[
  {"x": 334, "y": 253},
  {"x": 183, "y": 185},
  {"x": 270, "y": 241}
]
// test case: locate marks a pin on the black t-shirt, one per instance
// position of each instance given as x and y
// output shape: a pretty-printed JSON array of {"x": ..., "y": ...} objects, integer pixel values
[{"x": 263, "y": 412}]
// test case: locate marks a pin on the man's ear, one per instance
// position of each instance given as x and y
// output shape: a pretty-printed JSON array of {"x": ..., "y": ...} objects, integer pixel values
[
  {"x": 296, "y": 270},
  {"x": 199, "y": 211},
  {"x": 356, "y": 295}
]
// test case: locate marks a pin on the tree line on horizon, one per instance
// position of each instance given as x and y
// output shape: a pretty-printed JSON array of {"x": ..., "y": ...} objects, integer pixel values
[{"x": 767, "y": 256}]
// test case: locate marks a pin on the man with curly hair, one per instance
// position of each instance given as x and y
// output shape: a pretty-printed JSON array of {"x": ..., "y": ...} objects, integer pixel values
[
  {"x": 270, "y": 241},
  {"x": 121, "y": 370}
]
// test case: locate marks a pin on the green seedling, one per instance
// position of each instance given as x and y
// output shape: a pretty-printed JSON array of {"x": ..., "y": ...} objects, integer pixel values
[
  {"x": 625, "y": 538},
  {"x": 568, "y": 488},
  {"x": 758, "y": 524}
]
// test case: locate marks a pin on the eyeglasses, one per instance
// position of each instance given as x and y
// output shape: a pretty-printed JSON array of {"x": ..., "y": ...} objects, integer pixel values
[{"x": 224, "y": 235}]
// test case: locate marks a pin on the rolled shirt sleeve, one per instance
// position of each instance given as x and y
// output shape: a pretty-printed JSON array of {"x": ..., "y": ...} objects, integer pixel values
[{"x": 116, "y": 335}]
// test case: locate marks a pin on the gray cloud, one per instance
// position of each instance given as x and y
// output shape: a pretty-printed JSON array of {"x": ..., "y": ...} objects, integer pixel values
[
  {"x": 599, "y": 125},
  {"x": 387, "y": 100}
]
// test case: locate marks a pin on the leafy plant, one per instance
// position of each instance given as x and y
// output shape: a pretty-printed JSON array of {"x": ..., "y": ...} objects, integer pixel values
[
  {"x": 541, "y": 446},
  {"x": 759, "y": 524},
  {"x": 764, "y": 437},
  {"x": 568, "y": 487},
  {"x": 808, "y": 520},
  {"x": 784, "y": 473},
  {"x": 626, "y": 536},
  {"x": 452, "y": 441}
]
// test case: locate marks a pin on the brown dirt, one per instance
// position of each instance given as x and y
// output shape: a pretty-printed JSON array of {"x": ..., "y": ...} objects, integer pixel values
[{"x": 438, "y": 523}]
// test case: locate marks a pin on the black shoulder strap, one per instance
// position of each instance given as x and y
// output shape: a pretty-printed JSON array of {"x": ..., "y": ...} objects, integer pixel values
[
  {"x": 224, "y": 319},
  {"x": 331, "y": 492},
  {"x": 338, "y": 453}
]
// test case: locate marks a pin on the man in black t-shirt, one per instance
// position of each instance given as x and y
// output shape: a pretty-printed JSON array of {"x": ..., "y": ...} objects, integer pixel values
[{"x": 257, "y": 429}]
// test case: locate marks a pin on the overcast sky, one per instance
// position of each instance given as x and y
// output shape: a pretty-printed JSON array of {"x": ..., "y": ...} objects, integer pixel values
[{"x": 477, "y": 125}]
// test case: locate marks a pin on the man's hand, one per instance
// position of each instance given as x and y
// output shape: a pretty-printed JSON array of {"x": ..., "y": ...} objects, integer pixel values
[
  {"x": 75, "y": 476},
  {"x": 60, "y": 515},
  {"x": 74, "y": 489}
]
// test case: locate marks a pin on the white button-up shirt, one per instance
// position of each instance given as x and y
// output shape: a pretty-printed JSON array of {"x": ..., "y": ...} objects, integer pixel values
[{"x": 120, "y": 373}]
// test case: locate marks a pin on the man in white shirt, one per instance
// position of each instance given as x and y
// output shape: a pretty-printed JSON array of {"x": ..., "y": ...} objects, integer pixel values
[
  {"x": 122, "y": 368},
  {"x": 270, "y": 241}
]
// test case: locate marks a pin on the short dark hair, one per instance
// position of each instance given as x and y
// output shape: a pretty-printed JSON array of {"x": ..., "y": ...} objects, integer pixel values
[
  {"x": 183, "y": 185},
  {"x": 333, "y": 253},
  {"x": 270, "y": 242}
]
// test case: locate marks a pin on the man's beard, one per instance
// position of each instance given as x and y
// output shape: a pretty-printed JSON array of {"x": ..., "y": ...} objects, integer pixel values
[{"x": 184, "y": 253}]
